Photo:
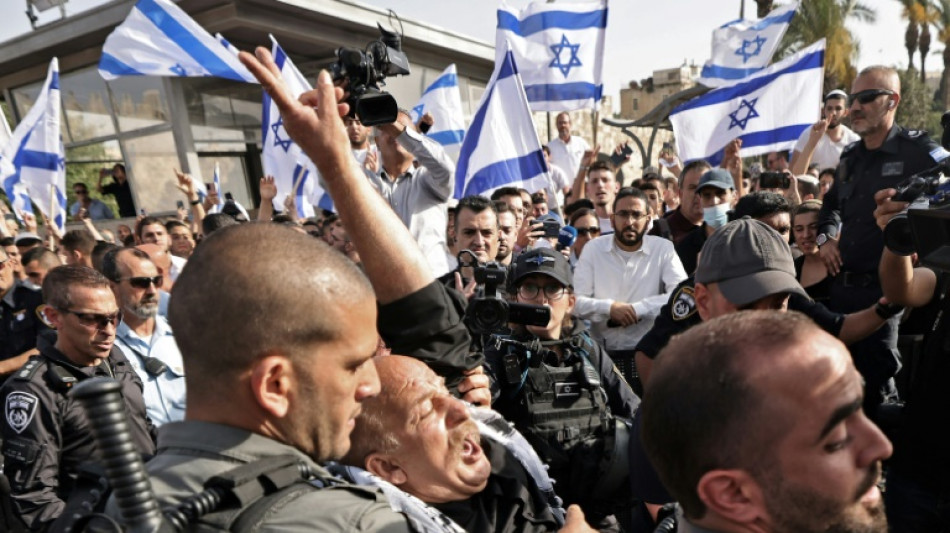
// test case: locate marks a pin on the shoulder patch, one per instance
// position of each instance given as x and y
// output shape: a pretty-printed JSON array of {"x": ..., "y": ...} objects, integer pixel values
[
  {"x": 41, "y": 315},
  {"x": 20, "y": 409},
  {"x": 913, "y": 134},
  {"x": 939, "y": 154},
  {"x": 28, "y": 369},
  {"x": 684, "y": 303}
]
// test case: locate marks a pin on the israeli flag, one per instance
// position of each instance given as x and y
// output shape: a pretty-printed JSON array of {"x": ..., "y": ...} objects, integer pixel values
[
  {"x": 743, "y": 47},
  {"x": 501, "y": 147},
  {"x": 35, "y": 161},
  {"x": 560, "y": 48},
  {"x": 159, "y": 39},
  {"x": 767, "y": 111},
  {"x": 292, "y": 170},
  {"x": 443, "y": 101},
  {"x": 216, "y": 208}
]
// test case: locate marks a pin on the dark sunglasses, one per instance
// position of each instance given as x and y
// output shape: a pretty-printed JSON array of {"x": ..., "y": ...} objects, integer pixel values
[
  {"x": 868, "y": 96},
  {"x": 593, "y": 230},
  {"x": 143, "y": 282},
  {"x": 94, "y": 320}
]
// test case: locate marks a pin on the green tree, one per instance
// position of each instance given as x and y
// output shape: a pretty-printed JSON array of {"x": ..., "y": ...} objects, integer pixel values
[
  {"x": 764, "y": 7},
  {"x": 943, "y": 34},
  {"x": 826, "y": 19},
  {"x": 916, "y": 110}
]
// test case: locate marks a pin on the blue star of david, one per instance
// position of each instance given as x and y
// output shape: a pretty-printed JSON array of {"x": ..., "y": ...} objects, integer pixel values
[
  {"x": 539, "y": 260},
  {"x": 417, "y": 111},
  {"x": 734, "y": 119},
  {"x": 283, "y": 143},
  {"x": 178, "y": 69},
  {"x": 744, "y": 49},
  {"x": 572, "y": 62}
]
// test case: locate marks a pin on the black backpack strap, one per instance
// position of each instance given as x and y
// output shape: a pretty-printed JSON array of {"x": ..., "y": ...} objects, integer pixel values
[{"x": 249, "y": 520}]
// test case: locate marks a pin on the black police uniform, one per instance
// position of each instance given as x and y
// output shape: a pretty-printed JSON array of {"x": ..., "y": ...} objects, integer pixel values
[
  {"x": 45, "y": 432},
  {"x": 689, "y": 247},
  {"x": 850, "y": 202},
  {"x": 20, "y": 321},
  {"x": 568, "y": 420},
  {"x": 918, "y": 482}
]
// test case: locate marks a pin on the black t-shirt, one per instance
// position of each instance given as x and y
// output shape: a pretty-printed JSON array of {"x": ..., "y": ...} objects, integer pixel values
[
  {"x": 688, "y": 249},
  {"x": 123, "y": 197}
]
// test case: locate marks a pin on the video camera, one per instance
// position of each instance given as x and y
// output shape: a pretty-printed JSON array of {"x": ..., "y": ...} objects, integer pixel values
[
  {"x": 490, "y": 313},
  {"x": 927, "y": 190},
  {"x": 364, "y": 72}
]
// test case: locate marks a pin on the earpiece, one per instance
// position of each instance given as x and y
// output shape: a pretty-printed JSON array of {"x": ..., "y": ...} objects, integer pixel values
[{"x": 890, "y": 104}]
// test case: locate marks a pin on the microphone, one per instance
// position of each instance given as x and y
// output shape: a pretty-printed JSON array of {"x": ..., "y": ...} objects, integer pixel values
[{"x": 566, "y": 237}]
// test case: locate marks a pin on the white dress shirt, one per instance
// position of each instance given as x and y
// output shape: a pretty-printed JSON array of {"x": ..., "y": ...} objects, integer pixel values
[
  {"x": 568, "y": 155},
  {"x": 644, "y": 278},
  {"x": 827, "y": 152}
]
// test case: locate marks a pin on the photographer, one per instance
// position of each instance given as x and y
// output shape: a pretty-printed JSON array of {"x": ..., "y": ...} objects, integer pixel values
[
  {"x": 919, "y": 476},
  {"x": 119, "y": 188}
]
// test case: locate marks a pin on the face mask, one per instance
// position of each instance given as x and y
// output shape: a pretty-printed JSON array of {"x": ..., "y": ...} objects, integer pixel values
[{"x": 716, "y": 216}]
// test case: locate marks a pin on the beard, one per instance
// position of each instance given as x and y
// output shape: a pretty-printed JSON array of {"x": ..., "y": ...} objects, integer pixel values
[
  {"x": 801, "y": 510},
  {"x": 145, "y": 309},
  {"x": 635, "y": 240}
]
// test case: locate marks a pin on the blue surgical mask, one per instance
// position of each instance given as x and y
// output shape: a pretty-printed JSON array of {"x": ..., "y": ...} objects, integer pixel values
[{"x": 716, "y": 216}]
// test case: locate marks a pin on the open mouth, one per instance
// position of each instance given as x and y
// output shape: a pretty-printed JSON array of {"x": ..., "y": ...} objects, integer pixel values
[{"x": 471, "y": 450}]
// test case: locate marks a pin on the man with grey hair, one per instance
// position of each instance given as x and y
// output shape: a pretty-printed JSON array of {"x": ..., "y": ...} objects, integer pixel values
[
  {"x": 145, "y": 337},
  {"x": 886, "y": 156}
]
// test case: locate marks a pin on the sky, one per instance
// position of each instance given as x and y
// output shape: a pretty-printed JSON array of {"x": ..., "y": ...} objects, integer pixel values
[{"x": 642, "y": 35}]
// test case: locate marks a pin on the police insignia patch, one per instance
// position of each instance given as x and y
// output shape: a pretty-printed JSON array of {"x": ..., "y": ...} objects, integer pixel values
[
  {"x": 20, "y": 409},
  {"x": 684, "y": 304}
]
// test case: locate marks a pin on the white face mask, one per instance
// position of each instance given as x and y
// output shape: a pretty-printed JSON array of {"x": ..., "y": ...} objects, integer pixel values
[{"x": 716, "y": 216}]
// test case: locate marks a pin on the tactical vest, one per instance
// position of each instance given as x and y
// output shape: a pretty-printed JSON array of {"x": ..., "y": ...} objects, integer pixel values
[{"x": 560, "y": 409}]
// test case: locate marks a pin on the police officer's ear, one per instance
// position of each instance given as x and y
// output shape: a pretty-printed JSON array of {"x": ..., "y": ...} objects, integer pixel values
[
  {"x": 733, "y": 495},
  {"x": 703, "y": 303},
  {"x": 271, "y": 380},
  {"x": 385, "y": 467},
  {"x": 54, "y": 317}
]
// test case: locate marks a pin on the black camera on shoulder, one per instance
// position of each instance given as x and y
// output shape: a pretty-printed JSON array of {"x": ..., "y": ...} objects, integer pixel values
[
  {"x": 365, "y": 71},
  {"x": 925, "y": 190},
  {"x": 491, "y": 313},
  {"x": 774, "y": 180}
]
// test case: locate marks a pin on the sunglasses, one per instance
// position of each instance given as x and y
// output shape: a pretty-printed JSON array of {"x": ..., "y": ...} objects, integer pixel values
[
  {"x": 94, "y": 320},
  {"x": 144, "y": 282},
  {"x": 593, "y": 230},
  {"x": 868, "y": 96}
]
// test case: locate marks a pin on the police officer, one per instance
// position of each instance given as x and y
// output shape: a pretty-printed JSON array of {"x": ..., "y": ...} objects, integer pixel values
[
  {"x": 561, "y": 390},
  {"x": 45, "y": 432},
  {"x": 21, "y": 319},
  {"x": 885, "y": 156}
]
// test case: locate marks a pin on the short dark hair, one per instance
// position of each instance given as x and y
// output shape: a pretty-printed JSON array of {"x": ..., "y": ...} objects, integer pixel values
[
  {"x": 216, "y": 221},
  {"x": 649, "y": 185},
  {"x": 698, "y": 164},
  {"x": 829, "y": 170},
  {"x": 703, "y": 413},
  {"x": 580, "y": 213},
  {"x": 538, "y": 198},
  {"x": 81, "y": 185},
  {"x": 59, "y": 280},
  {"x": 110, "y": 261},
  {"x": 43, "y": 256},
  {"x": 657, "y": 180},
  {"x": 761, "y": 204},
  {"x": 100, "y": 250},
  {"x": 501, "y": 192},
  {"x": 7, "y": 241},
  {"x": 79, "y": 239},
  {"x": 628, "y": 192},
  {"x": 808, "y": 206},
  {"x": 175, "y": 224},
  {"x": 583, "y": 203},
  {"x": 284, "y": 219},
  {"x": 806, "y": 187},
  {"x": 599, "y": 165},
  {"x": 476, "y": 204},
  {"x": 147, "y": 221}
]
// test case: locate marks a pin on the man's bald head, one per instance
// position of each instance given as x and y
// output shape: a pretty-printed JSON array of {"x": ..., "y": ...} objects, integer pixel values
[
  {"x": 229, "y": 307},
  {"x": 884, "y": 77}
]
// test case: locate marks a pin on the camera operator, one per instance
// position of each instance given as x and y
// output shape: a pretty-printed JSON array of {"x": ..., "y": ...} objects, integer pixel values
[
  {"x": 561, "y": 390},
  {"x": 886, "y": 155},
  {"x": 919, "y": 476}
]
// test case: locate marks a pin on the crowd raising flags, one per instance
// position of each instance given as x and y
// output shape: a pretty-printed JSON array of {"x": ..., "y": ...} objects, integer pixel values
[
  {"x": 37, "y": 160},
  {"x": 501, "y": 147},
  {"x": 743, "y": 47},
  {"x": 560, "y": 48}
]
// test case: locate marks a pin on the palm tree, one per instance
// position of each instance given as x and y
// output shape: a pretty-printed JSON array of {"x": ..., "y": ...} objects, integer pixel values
[
  {"x": 826, "y": 19},
  {"x": 930, "y": 15},
  {"x": 943, "y": 33},
  {"x": 764, "y": 7},
  {"x": 916, "y": 13}
]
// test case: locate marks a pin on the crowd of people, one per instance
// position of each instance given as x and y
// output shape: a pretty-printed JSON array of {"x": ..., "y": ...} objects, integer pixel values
[{"x": 714, "y": 347}]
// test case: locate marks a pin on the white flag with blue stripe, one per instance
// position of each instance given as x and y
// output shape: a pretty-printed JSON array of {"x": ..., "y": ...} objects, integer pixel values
[
  {"x": 767, "y": 111},
  {"x": 743, "y": 47},
  {"x": 559, "y": 49},
  {"x": 293, "y": 171},
  {"x": 159, "y": 39},
  {"x": 501, "y": 147},
  {"x": 443, "y": 101},
  {"x": 216, "y": 179},
  {"x": 36, "y": 167}
]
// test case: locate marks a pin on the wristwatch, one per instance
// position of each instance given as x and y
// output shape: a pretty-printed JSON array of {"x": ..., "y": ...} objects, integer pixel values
[{"x": 821, "y": 239}]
